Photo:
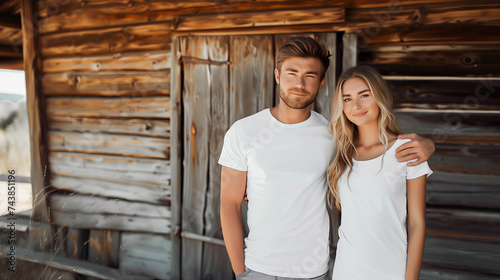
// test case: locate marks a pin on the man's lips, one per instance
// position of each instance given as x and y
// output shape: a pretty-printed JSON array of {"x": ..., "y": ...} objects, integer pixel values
[
  {"x": 360, "y": 114},
  {"x": 298, "y": 93}
]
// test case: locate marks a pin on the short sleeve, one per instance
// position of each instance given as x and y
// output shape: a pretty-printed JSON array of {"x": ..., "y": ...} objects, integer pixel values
[
  {"x": 233, "y": 153},
  {"x": 417, "y": 171}
]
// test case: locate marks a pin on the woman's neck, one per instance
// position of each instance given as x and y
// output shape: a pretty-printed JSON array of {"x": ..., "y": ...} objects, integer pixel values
[{"x": 368, "y": 135}]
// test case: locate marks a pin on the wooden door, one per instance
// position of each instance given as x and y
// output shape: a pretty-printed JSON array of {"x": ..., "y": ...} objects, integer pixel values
[{"x": 216, "y": 80}]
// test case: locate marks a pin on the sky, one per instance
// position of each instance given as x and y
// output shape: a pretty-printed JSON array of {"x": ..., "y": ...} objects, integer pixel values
[{"x": 12, "y": 82}]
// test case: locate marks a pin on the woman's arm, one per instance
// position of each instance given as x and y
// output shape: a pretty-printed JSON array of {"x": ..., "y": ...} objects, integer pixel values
[{"x": 415, "y": 190}]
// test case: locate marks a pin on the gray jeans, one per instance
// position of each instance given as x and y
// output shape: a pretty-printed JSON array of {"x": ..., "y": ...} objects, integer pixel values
[{"x": 254, "y": 275}]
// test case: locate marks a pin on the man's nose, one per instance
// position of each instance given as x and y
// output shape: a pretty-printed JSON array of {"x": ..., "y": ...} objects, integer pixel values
[{"x": 300, "y": 83}]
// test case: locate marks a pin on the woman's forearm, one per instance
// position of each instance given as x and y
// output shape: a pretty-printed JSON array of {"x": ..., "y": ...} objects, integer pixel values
[{"x": 416, "y": 240}]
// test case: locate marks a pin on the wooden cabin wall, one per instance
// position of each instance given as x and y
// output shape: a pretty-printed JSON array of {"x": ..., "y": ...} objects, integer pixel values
[{"x": 106, "y": 69}]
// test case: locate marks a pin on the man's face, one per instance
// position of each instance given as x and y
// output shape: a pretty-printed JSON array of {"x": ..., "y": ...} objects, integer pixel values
[{"x": 299, "y": 80}]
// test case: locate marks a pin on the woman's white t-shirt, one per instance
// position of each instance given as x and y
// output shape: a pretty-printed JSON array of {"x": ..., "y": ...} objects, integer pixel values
[{"x": 373, "y": 236}]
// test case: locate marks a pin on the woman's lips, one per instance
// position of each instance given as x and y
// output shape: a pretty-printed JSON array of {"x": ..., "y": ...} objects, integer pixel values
[{"x": 360, "y": 114}]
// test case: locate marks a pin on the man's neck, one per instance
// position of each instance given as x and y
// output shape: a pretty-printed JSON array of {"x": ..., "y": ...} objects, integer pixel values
[{"x": 288, "y": 115}]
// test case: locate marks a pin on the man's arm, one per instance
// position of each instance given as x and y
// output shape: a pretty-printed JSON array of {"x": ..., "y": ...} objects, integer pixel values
[
  {"x": 421, "y": 148},
  {"x": 233, "y": 184}
]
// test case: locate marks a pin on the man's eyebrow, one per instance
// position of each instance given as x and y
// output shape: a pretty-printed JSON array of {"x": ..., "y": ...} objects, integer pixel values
[{"x": 295, "y": 71}]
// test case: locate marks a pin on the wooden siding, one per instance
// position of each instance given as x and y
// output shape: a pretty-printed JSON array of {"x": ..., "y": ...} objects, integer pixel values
[{"x": 106, "y": 70}]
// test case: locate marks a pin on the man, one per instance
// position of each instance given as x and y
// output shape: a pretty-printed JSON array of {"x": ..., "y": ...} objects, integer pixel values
[{"x": 279, "y": 156}]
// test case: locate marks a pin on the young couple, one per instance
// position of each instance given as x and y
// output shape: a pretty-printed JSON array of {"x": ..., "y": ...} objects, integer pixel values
[{"x": 283, "y": 158}]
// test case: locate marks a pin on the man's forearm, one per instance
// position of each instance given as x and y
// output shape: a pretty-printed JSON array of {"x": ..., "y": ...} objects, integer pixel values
[{"x": 232, "y": 230}]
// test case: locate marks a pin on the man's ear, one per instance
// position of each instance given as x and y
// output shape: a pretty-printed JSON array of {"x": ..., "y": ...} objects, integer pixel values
[
  {"x": 322, "y": 84},
  {"x": 277, "y": 75}
]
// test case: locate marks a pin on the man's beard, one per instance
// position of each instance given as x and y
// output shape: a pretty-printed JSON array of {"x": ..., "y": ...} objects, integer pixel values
[{"x": 288, "y": 98}]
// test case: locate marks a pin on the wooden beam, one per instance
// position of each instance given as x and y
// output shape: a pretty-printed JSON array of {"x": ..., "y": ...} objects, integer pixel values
[{"x": 36, "y": 113}]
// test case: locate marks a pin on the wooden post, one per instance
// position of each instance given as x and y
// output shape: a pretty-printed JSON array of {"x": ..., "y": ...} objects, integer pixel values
[
  {"x": 176, "y": 159},
  {"x": 35, "y": 103}
]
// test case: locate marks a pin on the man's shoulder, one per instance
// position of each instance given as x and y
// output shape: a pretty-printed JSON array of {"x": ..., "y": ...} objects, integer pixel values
[
  {"x": 322, "y": 120},
  {"x": 251, "y": 120}
]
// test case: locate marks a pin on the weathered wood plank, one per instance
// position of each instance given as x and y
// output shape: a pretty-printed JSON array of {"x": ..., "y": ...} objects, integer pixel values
[
  {"x": 145, "y": 61},
  {"x": 261, "y": 18},
  {"x": 111, "y": 144},
  {"x": 77, "y": 242},
  {"x": 442, "y": 125},
  {"x": 434, "y": 63},
  {"x": 146, "y": 254},
  {"x": 251, "y": 75},
  {"x": 458, "y": 157},
  {"x": 349, "y": 51},
  {"x": 431, "y": 35},
  {"x": 109, "y": 83},
  {"x": 197, "y": 120},
  {"x": 481, "y": 224},
  {"x": 96, "y": 205},
  {"x": 141, "y": 127},
  {"x": 74, "y": 15},
  {"x": 13, "y": 64},
  {"x": 146, "y": 107},
  {"x": 134, "y": 192},
  {"x": 457, "y": 253},
  {"x": 111, "y": 168},
  {"x": 74, "y": 266},
  {"x": 110, "y": 40},
  {"x": 176, "y": 157},
  {"x": 324, "y": 99},
  {"x": 103, "y": 247},
  {"x": 216, "y": 264},
  {"x": 463, "y": 190},
  {"x": 112, "y": 222},
  {"x": 437, "y": 273},
  {"x": 26, "y": 269},
  {"x": 466, "y": 94}
]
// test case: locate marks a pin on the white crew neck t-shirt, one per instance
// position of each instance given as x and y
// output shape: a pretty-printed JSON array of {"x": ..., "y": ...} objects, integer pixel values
[
  {"x": 373, "y": 236},
  {"x": 286, "y": 188}
]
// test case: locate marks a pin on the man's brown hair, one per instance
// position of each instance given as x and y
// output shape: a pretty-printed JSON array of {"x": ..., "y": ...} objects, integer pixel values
[{"x": 303, "y": 47}]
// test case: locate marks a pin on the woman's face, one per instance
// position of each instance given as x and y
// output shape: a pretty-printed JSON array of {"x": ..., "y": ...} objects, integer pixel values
[{"x": 358, "y": 103}]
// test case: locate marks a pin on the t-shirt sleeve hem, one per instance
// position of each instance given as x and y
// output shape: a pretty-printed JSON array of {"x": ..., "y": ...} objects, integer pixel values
[
  {"x": 233, "y": 166},
  {"x": 428, "y": 173}
]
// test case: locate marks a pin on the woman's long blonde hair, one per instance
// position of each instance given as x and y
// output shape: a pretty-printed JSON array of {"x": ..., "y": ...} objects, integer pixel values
[{"x": 345, "y": 133}]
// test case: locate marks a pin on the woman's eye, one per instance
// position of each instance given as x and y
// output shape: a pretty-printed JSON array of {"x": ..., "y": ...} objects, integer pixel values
[
  {"x": 365, "y": 95},
  {"x": 347, "y": 100}
]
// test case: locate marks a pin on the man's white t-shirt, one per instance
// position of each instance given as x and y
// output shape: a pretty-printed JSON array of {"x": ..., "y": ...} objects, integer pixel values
[
  {"x": 286, "y": 188},
  {"x": 373, "y": 237}
]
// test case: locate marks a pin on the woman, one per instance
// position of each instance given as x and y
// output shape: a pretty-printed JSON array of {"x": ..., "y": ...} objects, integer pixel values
[{"x": 374, "y": 191}]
